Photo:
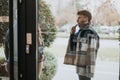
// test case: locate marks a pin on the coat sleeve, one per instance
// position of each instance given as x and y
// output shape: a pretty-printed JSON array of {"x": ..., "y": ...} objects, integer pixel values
[
  {"x": 70, "y": 43},
  {"x": 97, "y": 44},
  {"x": 97, "y": 40},
  {"x": 39, "y": 36}
]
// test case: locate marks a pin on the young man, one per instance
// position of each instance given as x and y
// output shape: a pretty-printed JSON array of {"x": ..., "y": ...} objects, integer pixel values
[{"x": 84, "y": 19}]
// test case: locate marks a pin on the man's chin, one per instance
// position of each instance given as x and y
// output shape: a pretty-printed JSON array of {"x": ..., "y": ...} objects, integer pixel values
[{"x": 86, "y": 27}]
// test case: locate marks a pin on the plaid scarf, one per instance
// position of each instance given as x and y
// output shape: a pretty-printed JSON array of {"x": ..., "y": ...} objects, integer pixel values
[{"x": 84, "y": 44}]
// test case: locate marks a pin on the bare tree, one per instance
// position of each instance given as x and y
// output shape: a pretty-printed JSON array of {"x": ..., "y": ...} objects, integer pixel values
[
  {"x": 67, "y": 14},
  {"x": 106, "y": 14}
]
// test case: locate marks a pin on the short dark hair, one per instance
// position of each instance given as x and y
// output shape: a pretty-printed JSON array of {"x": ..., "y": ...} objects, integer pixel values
[{"x": 86, "y": 13}]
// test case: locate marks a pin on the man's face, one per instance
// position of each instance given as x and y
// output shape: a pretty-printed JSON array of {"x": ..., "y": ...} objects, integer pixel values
[{"x": 82, "y": 20}]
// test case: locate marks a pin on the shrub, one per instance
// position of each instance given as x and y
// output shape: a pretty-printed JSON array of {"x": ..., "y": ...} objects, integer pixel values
[
  {"x": 4, "y": 8},
  {"x": 49, "y": 67},
  {"x": 47, "y": 23},
  {"x": 3, "y": 25}
]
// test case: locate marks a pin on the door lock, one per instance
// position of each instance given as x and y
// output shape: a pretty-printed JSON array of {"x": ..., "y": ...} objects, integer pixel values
[{"x": 28, "y": 42}]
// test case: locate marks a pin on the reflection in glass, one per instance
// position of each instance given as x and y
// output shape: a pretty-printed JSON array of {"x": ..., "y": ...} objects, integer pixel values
[{"x": 4, "y": 23}]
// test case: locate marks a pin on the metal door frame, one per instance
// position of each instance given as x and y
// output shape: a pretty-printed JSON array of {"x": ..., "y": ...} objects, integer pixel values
[{"x": 27, "y": 49}]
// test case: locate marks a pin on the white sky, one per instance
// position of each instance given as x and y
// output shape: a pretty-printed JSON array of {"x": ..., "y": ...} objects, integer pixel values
[{"x": 92, "y": 4}]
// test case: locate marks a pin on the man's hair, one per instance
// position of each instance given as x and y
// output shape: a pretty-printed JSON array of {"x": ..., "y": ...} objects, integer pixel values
[{"x": 85, "y": 13}]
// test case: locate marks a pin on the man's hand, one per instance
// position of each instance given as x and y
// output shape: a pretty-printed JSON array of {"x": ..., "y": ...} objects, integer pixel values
[
  {"x": 43, "y": 58},
  {"x": 73, "y": 29}
]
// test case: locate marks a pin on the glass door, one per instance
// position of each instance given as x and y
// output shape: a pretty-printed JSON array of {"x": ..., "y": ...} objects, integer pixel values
[{"x": 4, "y": 25}]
